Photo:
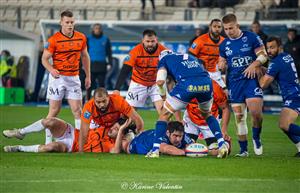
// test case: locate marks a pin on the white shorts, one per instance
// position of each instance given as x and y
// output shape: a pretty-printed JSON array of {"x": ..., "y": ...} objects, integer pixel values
[
  {"x": 190, "y": 127},
  {"x": 67, "y": 138},
  {"x": 216, "y": 76},
  {"x": 68, "y": 87},
  {"x": 137, "y": 94}
]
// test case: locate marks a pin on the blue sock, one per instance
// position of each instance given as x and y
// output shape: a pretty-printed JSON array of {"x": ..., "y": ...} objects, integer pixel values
[
  {"x": 256, "y": 133},
  {"x": 214, "y": 126},
  {"x": 160, "y": 131},
  {"x": 243, "y": 146},
  {"x": 294, "y": 129},
  {"x": 294, "y": 138}
]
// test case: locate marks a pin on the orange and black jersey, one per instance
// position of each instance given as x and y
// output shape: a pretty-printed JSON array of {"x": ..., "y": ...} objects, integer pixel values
[
  {"x": 66, "y": 52},
  {"x": 144, "y": 65},
  {"x": 207, "y": 50}
]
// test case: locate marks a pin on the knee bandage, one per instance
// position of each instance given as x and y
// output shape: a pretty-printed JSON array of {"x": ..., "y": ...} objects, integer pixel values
[{"x": 241, "y": 120}]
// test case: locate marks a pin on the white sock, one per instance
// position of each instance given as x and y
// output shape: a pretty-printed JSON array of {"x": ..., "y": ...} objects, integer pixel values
[
  {"x": 29, "y": 148},
  {"x": 298, "y": 146},
  {"x": 77, "y": 124},
  {"x": 48, "y": 136},
  {"x": 34, "y": 127}
]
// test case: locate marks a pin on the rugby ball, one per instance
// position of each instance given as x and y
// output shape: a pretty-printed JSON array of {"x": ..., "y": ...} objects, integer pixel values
[{"x": 196, "y": 150}]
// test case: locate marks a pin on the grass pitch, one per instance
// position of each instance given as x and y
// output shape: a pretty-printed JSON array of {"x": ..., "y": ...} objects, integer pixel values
[{"x": 277, "y": 171}]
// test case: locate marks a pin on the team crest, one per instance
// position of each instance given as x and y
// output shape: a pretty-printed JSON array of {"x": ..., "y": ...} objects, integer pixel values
[{"x": 244, "y": 39}]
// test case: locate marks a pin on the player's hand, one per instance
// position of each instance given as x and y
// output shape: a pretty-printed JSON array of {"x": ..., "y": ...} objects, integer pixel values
[
  {"x": 226, "y": 136},
  {"x": 54, "y": 73},
  {"x": 250, "y": 72},
  {"x": 87, "y": 83},
  {"x": 117, "y": 92}
]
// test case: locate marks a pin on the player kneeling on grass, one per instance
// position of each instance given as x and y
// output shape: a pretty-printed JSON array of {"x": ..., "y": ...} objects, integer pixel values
[
  {"x": 173, "y": 140},
  {"x": 65, "y": 138},
  {"x": 282, "y": 68}
]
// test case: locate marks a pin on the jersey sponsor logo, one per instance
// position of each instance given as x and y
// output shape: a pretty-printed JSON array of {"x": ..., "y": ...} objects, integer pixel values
[
  {"x": 240, "y": 62},
  {"x": 259, "y": 40},
  {"x": 258, "y": 91},
  {"x": 53, "y": 91},
  {"x": 46, "y": 45},
  {"x": 132, "y": 96},
  {"x": 191, "y": 64},
  {"x": 194, "y": 45},
  {"x": 228, "y": 51},
  {"x": 198, "y": 88},
  {"x": 288, "y": 102},
  {"x": 93, "y": 124},
  {"x": 228, "y": 43},
  {"x": 87, "y": 114}
]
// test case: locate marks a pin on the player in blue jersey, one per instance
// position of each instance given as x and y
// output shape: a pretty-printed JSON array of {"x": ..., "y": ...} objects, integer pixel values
[
  {"x": 282, "y": 69},
  {"x": 192, "y": 81},
  {"x": 241, "y": 56},
  {"x": 173, "y": 140}
]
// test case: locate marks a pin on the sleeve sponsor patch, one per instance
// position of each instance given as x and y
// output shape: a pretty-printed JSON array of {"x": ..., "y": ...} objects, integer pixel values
[
  {"x": 46, "y": 45},
  {"x": 87, "y": 115},
  {"x": 127, "y": 58},
  {"x": 194, "y": 45}
]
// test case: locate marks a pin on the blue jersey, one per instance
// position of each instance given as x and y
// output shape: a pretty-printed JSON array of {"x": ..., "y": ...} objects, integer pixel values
[
  {"x": 239, "y": 54},
  {"x": 182, "y": 66},
  {"x": 143, "y": 143},
  {"x": 283, "y": 69}
]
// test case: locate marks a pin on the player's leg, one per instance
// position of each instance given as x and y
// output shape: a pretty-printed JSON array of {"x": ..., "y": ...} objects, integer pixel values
[
  {"x": 50, "y": 147},
  {"x": 190, "y": 128},
  {"x": 54, "y": 108},
  {"x": 74, "y": 95},
  {"x": 287, "y": 120},
  {"x": 240, "y": 114},
  {"x": 255, "y": 109}
]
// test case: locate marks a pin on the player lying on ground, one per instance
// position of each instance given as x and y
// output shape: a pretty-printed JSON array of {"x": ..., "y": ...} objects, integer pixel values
[
  {"x": 65, "y": 138},
  {"x": 173, "y": 140},
  {"x": 282, "y": 69},
  {"x": 194, "y": 123}
]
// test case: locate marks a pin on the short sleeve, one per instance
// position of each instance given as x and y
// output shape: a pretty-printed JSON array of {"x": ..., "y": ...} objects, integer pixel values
[
  {"x": 84, "y": 43},
  {"x": 86, "y": 114},
  {"x": 257, "y": 41},
  {"x": 131, "y": 57},
  {"x": 195, "y": 47},
  {"x": 221, "y": 50},
  {"x": 50, "y": 45},
  {"x": 273, "y": 69}
]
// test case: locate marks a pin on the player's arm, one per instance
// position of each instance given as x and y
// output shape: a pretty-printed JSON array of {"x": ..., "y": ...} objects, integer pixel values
[
  {"x": 161, "y": 78},
  {"x": 253, "y": 69},
  {"x": 118, "y": 143},
  {"x": 45, "y": 61},
  {"x": 265, "y": 81},
  {"x": 137, "y": 119},
  {"x": 170, "y": 149},
  {"x": 222, "y": 64},
  {"x": 84, "y": 130},
  {"x": 85, "y": 58}
]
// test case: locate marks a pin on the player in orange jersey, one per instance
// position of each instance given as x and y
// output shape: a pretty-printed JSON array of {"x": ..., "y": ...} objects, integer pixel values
[
  {"x": 142, "y": 61},
  {"x": 206, "y": 48},
  {"x": 66, "y": 48},
  {"x": 106, "y": 110},
  {"x": 65, "y": 138},
  {"x": 195, "y": 124}
]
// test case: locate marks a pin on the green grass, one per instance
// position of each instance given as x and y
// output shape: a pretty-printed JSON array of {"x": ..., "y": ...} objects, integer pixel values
[{"x": 276, "y": 171}]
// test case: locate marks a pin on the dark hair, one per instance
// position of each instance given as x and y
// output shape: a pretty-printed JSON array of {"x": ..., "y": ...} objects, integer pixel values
[
  {"x": 292, "y": 30},
  {"x": 214, "y": 20},
  {"x": 175, "y": 126},
  {"x": 97, "y": 24},
  {"x": 149, "y": 32},
  {"x": 100, "y": 92},
  {"x": 256, "y": 22},
  {"x": 229, "y": 18},
  {"x": 66, "y": 13},
  {"x": 6, "y": 52},
  {"x": 276, "y": 39}
]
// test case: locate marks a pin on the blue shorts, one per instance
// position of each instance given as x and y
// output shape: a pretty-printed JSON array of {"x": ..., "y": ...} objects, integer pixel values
[
  {"x": 292, "y": 103},
  {"x": 196, "y": 87},
  {"x": 137, "y": 148},
  {"x": 241, "y": 90}
]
